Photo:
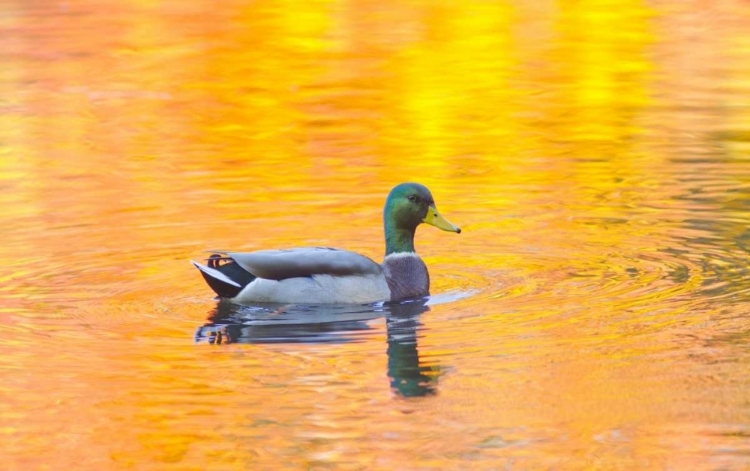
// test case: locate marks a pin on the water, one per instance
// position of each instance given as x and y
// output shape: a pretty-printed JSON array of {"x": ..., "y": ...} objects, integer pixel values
[{"x": 591, "y": 315}]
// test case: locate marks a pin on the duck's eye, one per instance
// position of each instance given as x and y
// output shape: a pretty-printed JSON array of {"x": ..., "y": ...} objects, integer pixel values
[{"x": 413, "y": 198}]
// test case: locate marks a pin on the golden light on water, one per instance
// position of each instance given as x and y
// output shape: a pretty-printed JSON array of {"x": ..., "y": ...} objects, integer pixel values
[{"x": 591, "y": 315}]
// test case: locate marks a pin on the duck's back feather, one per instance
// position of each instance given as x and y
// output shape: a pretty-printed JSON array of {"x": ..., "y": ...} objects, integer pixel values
[{"x": 305, "y": 262}]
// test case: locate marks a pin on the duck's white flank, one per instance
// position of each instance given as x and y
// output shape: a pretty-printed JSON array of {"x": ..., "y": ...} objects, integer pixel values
[{"x": 317, "y": 289}]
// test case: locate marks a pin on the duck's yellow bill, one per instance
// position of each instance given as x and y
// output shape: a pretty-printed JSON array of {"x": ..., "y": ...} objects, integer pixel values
[{"x": 434, "y": 218}]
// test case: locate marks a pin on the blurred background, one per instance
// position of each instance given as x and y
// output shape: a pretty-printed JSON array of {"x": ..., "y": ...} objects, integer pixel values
[{"x": 592, "y": 314}]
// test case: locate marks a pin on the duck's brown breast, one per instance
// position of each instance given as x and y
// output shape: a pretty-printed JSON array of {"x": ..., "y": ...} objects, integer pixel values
[{"x": 406, "y": 275}]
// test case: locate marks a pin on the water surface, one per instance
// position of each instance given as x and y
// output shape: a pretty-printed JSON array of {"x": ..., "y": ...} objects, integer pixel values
[{"x": 591, "y": 315}]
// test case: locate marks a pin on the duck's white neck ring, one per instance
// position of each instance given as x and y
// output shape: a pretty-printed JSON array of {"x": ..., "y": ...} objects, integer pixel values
[{"x": 397, "y": 255}]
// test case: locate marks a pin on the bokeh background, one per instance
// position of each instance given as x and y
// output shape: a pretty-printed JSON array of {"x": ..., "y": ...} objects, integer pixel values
[{"x": 592, "y": 315}]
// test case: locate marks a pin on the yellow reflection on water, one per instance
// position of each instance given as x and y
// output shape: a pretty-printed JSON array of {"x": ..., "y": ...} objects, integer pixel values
[{"x": 586, "y": 148}]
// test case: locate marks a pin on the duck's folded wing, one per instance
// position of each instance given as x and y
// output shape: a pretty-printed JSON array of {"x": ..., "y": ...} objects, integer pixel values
[{"x": 300, "y": 262}]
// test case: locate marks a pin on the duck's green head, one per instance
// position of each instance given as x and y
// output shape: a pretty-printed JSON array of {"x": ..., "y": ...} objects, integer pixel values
[{"x": 409, "y": 205}]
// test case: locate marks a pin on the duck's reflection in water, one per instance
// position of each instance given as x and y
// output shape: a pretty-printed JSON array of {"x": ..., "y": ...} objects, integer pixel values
[
  {"x": 408, "y": 377},
  {"x": 230, "y": 323}
]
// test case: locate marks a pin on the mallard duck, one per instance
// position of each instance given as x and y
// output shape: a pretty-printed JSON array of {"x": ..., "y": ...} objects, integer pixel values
[{"x": 322, "y": 275}]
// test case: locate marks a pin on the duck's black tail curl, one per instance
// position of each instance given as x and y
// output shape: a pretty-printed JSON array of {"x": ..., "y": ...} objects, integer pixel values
[{"x": 225, "y": 276}]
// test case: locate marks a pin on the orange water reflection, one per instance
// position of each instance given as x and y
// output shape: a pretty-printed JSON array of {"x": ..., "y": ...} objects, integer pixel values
[{"x": 595, "y": 154}]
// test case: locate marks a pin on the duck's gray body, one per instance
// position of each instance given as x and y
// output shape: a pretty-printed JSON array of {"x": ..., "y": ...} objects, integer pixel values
[
  {"x": 323, "y": 275},
  {"x": 320, "y": 275}
]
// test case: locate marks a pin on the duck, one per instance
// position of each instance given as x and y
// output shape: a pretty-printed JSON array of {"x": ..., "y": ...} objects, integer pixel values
[{"x": 324, "y": 275}]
